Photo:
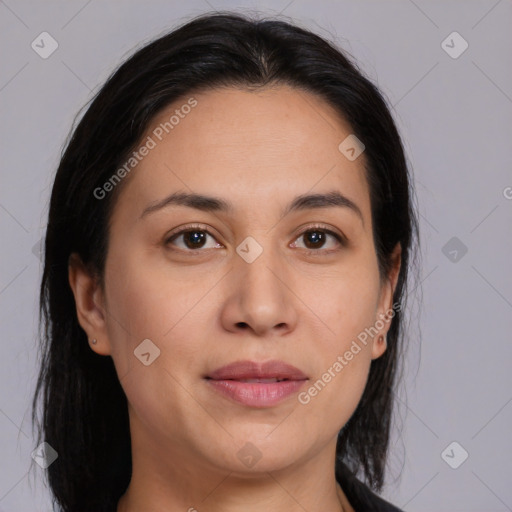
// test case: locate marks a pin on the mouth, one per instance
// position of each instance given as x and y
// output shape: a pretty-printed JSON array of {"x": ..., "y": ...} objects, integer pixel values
[
  {"x": 252, "y": 370},
  {"x": 275, "y": 379},
  {"x": 257, "y": 384}
]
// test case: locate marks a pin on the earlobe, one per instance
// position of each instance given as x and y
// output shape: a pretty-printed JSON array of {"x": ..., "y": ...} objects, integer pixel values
[
  {"x": 89, "y": 304},
  {"x": 379, "y": 346}
]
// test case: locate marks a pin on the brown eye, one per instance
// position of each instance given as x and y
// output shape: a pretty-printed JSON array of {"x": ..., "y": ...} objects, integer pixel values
[
  {"x": 191, "y": 239},
  {"x": 315, "y": 240}
]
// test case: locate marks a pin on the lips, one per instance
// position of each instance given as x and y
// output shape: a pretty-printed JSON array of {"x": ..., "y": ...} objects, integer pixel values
[
  {"x": 257, "y": 384},
  {"x": 257, "y": 372}
]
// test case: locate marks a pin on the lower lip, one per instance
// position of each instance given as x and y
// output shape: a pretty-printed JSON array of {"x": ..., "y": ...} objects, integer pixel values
[{"x": 257, "y": 394}]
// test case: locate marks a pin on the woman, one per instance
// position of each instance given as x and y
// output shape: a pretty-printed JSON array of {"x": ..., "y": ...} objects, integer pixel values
[{"x": 226, "y": 259}]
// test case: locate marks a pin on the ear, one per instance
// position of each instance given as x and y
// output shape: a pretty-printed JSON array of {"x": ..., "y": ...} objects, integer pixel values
[
  {"x": 89, "y": 302},
  {"x": 385, "y": 309}
]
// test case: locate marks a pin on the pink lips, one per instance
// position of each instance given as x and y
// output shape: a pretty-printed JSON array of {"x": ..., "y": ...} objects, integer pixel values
[{"x": 257, "y": 384}]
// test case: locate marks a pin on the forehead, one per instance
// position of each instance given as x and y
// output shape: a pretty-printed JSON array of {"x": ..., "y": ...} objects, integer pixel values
[{"x": 243, "y": 145}]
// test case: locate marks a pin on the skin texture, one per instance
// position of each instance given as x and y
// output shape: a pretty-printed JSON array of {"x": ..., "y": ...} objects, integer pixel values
[{"x": 258, "y": 150}]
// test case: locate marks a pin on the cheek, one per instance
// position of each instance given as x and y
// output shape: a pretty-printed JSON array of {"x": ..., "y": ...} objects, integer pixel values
[
  {"x": 348, "y": 308},
  {"x": 340, "y": 379},
  {"x": 345, "y": 300},
  {"x": 146, "y": 304}
]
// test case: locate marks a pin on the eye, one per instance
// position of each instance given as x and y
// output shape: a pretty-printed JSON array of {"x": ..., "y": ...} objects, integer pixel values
[
  {"x": 192, "y": 238},
  {"x": 316, "y": 237}
]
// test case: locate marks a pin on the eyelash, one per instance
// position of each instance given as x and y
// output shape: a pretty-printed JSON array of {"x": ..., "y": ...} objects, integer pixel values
[{"x": 196, "y": 227}]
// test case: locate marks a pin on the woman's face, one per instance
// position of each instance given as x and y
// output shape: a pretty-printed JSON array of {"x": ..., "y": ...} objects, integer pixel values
[{"x": 263, "y": 279}]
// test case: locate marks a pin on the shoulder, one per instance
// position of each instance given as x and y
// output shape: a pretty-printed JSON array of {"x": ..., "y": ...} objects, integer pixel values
[
  {"x": 367, "y": 501},
  {"x": 361, "y": 497}
]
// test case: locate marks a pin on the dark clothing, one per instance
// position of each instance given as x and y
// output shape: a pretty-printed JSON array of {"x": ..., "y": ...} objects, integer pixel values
[{"x": 361, "y": 497}]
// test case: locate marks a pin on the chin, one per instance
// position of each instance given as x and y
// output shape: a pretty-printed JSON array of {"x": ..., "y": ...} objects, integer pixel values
[{"x": 252, "y": 454}]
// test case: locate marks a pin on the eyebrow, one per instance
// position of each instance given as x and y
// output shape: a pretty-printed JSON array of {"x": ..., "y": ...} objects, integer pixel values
[{"x": 216, "y": 204}]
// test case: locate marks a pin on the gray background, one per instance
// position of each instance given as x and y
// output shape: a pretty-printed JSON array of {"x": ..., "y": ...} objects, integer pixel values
[{"x": 455, "y": 115}]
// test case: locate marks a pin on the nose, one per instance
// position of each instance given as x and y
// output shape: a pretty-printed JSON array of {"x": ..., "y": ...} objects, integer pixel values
[{"x": 261, "y": 298}]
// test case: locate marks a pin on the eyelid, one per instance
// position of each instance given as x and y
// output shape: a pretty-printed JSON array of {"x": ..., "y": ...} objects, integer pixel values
[
  {"x": 188, "y": 227},
  {"x": 340, "y": 237},
  {"x": 342, "y": 240}
]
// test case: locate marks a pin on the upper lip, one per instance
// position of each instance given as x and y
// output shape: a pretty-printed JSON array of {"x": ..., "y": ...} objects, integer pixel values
[{"x": 254, "y": 370}]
